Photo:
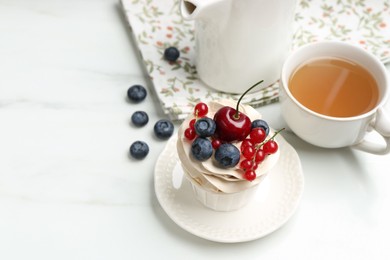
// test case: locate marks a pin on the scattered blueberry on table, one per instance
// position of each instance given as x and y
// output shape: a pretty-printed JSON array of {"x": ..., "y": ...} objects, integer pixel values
[
  {"x": 136, "y": 93},
  {"x": 139, "y": 118},
  {"x": 171, "y": 54},
  {"x": 163, "y": 129},
  {"x": 139, "y": 150}
]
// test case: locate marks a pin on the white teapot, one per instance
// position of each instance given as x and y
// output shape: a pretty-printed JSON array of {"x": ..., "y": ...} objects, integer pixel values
[{"x": 239, "y": 42}]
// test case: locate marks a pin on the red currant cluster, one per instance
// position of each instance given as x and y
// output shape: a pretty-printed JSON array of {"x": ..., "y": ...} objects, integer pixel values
[
  {"x": 200, "y": 110},
  {"x": 254, "y": 150}
]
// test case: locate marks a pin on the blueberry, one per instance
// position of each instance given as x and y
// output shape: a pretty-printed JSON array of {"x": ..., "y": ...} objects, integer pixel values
[
  {"x": 171, "y": 54},
  {"x": 205, "y": 127},
  {"x": 261, "y": 123},
  {"x": 163, "y": 128},
  {"x": 227, "y": 155},
  {"x": 139, "y": 118},
  {"x": 136, "y": 93},
  {"x": 201, "y": 148},
  {"x": 139, "y": 150}
]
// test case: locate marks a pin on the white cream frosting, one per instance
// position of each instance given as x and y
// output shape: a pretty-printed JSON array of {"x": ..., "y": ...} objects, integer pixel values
[{"x": 206, "y": 173}]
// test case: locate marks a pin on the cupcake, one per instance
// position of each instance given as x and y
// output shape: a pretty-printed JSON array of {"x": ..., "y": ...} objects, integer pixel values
[{"x": 226, "y": 151}]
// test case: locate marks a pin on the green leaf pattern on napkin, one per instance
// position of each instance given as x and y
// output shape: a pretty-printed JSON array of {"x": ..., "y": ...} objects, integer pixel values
[{"x": 363, "y": 22}]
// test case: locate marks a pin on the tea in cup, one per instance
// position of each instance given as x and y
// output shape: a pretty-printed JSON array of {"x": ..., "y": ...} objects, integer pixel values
[{"x": 333, "y": 93}]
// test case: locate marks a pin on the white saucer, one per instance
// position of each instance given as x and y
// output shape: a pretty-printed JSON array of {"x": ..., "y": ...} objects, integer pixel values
[{"x": 274, "y": 203}]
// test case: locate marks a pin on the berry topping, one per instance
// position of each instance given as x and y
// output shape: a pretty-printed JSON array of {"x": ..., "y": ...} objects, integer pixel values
[
  {"x": 216, "y": 143},
  {"x": 255, "y": 150},
  {"x": 230, "y": 128},
  {"x": 139, "y": 118},
  {"x": 245, "y": 143},
  {"x": 136, "y": 93},
  {"x": 201, "y": 109},
  {"x": 201, "y": 149},
  {"x": 262, "y": 124},
  {"x": 227, "y": 129},
  {"x": 232, "y": 125},
  {"x": 270, "y": 147},
  {"x": 248, "y": 152},
  {"x": 205, "y": 127},
  {"x": 227, "y": 155},
  {"x": 171, "y": 54},
  {"x": 139, "y": 150},
  {"x": 190, "y": 133},
  {"x": 163, "y": 129},
  {"x": 257, "y": 135},
  {"x": 250, "y": 175},
  {"x": 246, "y": 164},
  {"x": 192, "y": 123},
  {"x": 259, "y": 156}
]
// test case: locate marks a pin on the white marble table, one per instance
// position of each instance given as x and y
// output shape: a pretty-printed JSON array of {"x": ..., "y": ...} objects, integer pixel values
[{"x": 68, "y": 189}]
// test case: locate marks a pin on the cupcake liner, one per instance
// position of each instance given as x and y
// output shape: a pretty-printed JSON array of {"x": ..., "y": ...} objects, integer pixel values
[{"x": 219, "y": 201}]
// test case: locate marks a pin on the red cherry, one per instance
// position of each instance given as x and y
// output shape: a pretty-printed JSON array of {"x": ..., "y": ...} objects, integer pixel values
[
  {"x": 250, "y": 175},
  {"x": 246, "y": 164},
  {"x": 231, "y": 124},
  {"x": 260, "y": 155},
  {"x": 270, "y": 147},
  {"x": 216, "y": 144},
  {"x": 201, "y": 109},
  {"x": 258, "y": 135},
  {"x": 190, "y": 133}
]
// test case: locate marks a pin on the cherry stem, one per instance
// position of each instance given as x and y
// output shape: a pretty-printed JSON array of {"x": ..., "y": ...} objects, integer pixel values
[{"x": 236, "y": 115}]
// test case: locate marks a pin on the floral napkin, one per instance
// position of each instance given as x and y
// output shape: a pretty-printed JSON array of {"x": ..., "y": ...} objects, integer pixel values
[{"x": 157, "y": 24}]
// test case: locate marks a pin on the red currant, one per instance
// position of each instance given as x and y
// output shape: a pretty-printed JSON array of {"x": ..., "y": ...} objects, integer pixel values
[
  {"x": 259, "y": 156},
  {"x": 190, "y": 133},
  {"x": 270, "y": 147},
  {"x": 215, "y": 143},
  {"x": 245, "y": 143},
  {"x": 246, "y": 164},
  {"x": 257, "y": 135},
  {"x": 248, "y": 152},
  {"x": 192, "y": 123},
  {"x": 201, "y": 109},
  {"x": 250, "y": 175},
  {"x": 255, "y": 165}
]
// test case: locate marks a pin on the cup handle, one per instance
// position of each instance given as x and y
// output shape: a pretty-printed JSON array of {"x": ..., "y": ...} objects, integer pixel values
[{"x": 381, "y": 125}]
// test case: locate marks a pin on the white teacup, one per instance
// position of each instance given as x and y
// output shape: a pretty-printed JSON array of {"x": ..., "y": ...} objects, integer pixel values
[{"x": 335, "y": 132}]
